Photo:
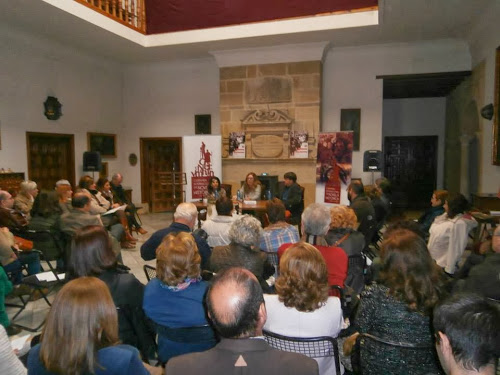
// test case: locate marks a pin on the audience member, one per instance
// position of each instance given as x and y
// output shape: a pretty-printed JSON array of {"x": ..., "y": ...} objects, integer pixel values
[
  {"x": 236, "y": 307},
  {"x": 380, "y": 208},
  {"x": 214, "y": 191},
  {"x": 302, "y": 307},
  {"x": 467, "y": 329},
  {"x": 217, "y": 227},
  {"x": 437, "y": 201},
  {"x": 251, "y": 188},
  {"x": 81, "y": 335},
  {"x": 449, "y": 233},
  {"x": 243, "y": 250},
  {"x": 121, "y": 198},
  {"x": 9, "y": 217},
  {"x": 315, "y": 225},
  {"x": 398, "y": 308},
  {"x": 174, "y": 299},
  {"x": 5, "y": 289},
  {"x": 291, "y": 196},
  {"x": 9, "y": 363},
  {"x": 363, "y": 208},
  {"x": 46, "y": 216},
  {"x": 23, "y": 201},
  {"x": 64, "y": 192},
  {"x": 185, "y": 217},
  {"x": 384, "y": 187},
  {"x": 92, "y": 255},
  {"x": 484, "y": 278},
  {"x": 278, "y": 232},
  {"x": 342, "y": 234}
]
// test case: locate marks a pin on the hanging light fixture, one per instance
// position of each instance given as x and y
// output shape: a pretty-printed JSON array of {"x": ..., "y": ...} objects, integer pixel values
[{"x": 52, "y": 108}]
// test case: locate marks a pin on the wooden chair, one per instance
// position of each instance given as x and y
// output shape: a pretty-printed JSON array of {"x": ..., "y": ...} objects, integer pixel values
[
  {"x": 227, "y": 188},
  {"x": 313, "y": 347},
  {"x": 409, "y": 355},
  {"x": 150, "y": 272}
]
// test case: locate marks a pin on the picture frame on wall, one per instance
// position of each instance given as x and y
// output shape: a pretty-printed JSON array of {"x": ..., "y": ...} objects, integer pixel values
[
  {"x": 350, "y": 120},
  {"x": 103, "y": 143},
  {"x": 496, "y": 114},
  {"x": 202, "y": 124}
]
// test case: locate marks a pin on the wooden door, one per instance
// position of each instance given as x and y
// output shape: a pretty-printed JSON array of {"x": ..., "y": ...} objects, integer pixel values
[
  {"x": 51, "y": 157},
  {"x": 160, "y": 157},
  {"x": 411, "y": 165}
]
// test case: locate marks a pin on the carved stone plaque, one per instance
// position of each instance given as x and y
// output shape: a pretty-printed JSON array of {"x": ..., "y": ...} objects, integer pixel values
[
  {"x": 268, "y": 90},
  {"x": 267, "y": 146}
]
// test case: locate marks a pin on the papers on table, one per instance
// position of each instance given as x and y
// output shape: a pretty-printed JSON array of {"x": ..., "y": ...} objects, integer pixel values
[
  {"x": 250, "y": 202},
  {"x": 49, "y": 276},
  {"x": 495, "y": 213},
  {"x": 113, "y": 210},
  {"x": 19, "y": 342}
]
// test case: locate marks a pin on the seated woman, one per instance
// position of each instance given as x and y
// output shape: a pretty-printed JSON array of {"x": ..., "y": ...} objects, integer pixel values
[
  {"x": 46, "y": 216},
  {"x": 92, "y": 255},
  {"x": 251, "y": 188},
  {"x": 64, "y": 193},
  {"x": 214, "y": 191},
  {"x": 81, "y": 335},
  {"x": 174, "y": 299},
  {"x": 449, "y": 233},
  {"x": 342, "y": 234},
  {"x": 24, "y": 199},
  {"x": 398, "y": 308},
  {"x": 117, "y": 222},
  {"x": 437, "y": 201},
  {"x": 302, "y": 307},
  {"x": 243, "y": 250}
]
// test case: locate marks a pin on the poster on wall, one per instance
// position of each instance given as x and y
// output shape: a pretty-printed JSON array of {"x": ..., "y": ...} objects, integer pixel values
[
  {"x": 333, "y": 167},
  {"x": 299, "y": 148},
  {"x": 201, "y": 157},
  {"x": 237, "y": 145}
]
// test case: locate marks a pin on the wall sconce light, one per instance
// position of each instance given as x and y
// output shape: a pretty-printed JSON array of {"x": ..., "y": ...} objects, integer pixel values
[
  {"x": 487, "y": 112},
  {"x": 52, "y": 108}
]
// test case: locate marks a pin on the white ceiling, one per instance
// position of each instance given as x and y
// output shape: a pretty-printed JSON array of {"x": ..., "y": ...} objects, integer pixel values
[{"x": 400, "y": 21}]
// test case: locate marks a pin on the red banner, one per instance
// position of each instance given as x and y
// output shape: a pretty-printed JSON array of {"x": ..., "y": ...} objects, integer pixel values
[
  {"x": 199, "y": 186},
  {"x": 332, "y": 193}
]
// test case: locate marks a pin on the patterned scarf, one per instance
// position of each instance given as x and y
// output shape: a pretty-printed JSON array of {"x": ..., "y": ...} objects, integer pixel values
[{"x": 187, "y": 282}]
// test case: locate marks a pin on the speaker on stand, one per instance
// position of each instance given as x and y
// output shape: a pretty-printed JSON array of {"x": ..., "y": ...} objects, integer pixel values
[
  {"x": 372, "y": 162},
  {"x": 92, "y": 162}
]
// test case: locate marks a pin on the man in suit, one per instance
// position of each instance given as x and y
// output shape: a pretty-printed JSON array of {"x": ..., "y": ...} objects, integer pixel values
[
  {"x": 291, "y": 195},
  {"x": 466, "y": 329},
  {"x": 236, "y": 307},
  {"x": 121, "y": 198}
]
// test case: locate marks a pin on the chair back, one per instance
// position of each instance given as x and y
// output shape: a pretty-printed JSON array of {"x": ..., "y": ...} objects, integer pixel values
[
  {"x": 150, "y": 272},
  {"x": 403, "y": 356},
  {"x": 227, "y": 188},
  {"x": 312, "y": 347},
  {"x": 272, "y": 257}
]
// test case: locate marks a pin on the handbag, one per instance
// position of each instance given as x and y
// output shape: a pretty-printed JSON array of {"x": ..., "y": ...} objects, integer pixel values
[{"x": 23, "y": 244}]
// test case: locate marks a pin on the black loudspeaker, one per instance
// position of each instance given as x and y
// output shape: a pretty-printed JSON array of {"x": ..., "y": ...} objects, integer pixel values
[
  {"x": 91, "y": 161},
  {"x": 372, "y": 161}
]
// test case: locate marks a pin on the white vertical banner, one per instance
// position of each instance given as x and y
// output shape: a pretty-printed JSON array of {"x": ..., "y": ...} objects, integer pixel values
[{"x": 201, "y": 159}]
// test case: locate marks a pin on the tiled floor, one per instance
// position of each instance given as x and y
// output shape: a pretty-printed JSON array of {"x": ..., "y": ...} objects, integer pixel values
[{"x": 36, "y": 311}]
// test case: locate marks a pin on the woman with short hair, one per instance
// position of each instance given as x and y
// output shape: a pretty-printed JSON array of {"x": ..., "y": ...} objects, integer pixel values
[
  {"x": 398, "y": 308},
  {"x": 174, "y": 299},
  {"x": 251, "y": 188},
  {"x": 24, "y": 199},
  {"x": 81, "y": 335},
  {"x": 302, "y": 307}
]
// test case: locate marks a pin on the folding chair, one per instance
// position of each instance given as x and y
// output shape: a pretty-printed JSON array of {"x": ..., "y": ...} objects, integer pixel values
[
  {"x": 313, "y": 347},
  {"x": 150, "y": 272}
]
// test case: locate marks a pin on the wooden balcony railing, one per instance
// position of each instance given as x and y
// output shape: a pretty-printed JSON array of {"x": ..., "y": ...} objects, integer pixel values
[{"x": 131, "y": 13}]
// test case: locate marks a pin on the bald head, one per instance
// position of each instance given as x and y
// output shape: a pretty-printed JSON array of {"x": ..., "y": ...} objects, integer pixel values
[
  {"x": 6, "y": 200},
  {"x": 235, "y": 304}
]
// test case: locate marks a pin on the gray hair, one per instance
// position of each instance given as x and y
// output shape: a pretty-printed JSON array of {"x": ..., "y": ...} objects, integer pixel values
[
  {"x": 245, "y": 230},
  {"x": 62, "y": 183},
  {"x": 186, "y": 211},
  {"x": 115, "y": 176},
  {"x": 316, "y": 219},
  {"x": 28, "y": 185},
  {"x": 3, "y": 195}
]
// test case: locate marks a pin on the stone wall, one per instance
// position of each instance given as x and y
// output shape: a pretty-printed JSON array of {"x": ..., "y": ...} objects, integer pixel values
[{"x": 293, "y": 88}]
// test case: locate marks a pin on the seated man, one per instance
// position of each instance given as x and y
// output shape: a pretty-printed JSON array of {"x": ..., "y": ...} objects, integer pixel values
[
  {"x": 279, "y": 231},
  {"x": 291, "y": 196},
  {"x": 236, "y": 307},
  {"x": 120, "y": 198},
  {"x": 217, "y": 227},
  {"x": 185, "y": 217},
  {"x": 466, "y": 329},
  {"x": 9, "y": 217}
]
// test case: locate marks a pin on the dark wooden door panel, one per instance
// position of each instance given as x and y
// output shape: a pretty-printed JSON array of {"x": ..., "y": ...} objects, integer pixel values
[
  {"x": 51, "y": 157},
  {"x": 411, "y": 165}
]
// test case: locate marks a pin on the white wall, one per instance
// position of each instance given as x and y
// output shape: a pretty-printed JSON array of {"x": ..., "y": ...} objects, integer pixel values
[
  {"x": 160, "y": 100},
  {"x": 349, "y": 81},
  {"x": 414, "y": 117},
  {"x": 31, "y": 69},
  {"x": 484, "y": 39}
]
